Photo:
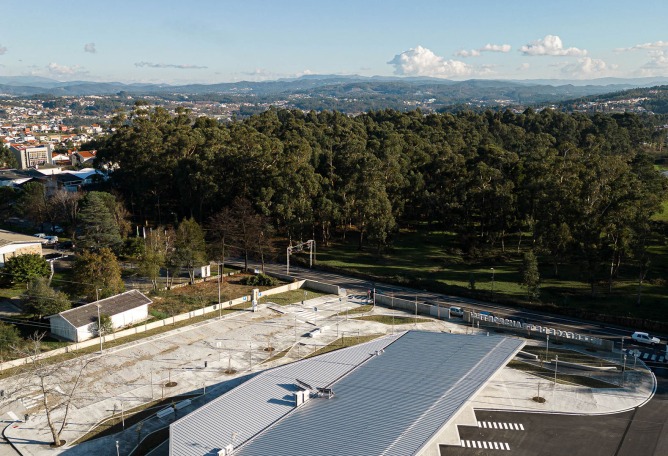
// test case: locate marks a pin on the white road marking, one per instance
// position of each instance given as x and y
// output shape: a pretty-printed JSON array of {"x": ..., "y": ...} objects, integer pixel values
[
  {"x": 505, "y": 425},
  {"x": 521, "y": 427},
  {"x": 484, "y": 444},
  {"x": 463, "y": 443},
  {"x": 494, "y": 424},
  {"x": 479, "y": 424},
  {"x": 507, "y": 446},
  {"x": 496, "y": 446}
]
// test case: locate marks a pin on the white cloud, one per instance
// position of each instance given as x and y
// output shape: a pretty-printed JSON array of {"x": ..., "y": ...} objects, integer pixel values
[
  {"x": 421, "y": 61},
  {"x": 658, "y": 64},
  {"x": 551, "y": 45},
  {"x": 465, "y": 53},
  {"x": 587, "y": 67},
  {"x": 169, "y": 65},
  {"x": 495, "y": 48},
  {"x": 655, "y": 45},
  {"x": 525, "y": 66},
  {"x": 486, "y": 48},
  {"x": 3, "y": 50},
  {"x": 65, "y": 70},
  {"x": 90, "y": 47}
]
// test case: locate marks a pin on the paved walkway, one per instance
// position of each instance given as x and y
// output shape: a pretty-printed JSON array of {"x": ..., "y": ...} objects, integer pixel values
[{"x": 134, "y": 373}]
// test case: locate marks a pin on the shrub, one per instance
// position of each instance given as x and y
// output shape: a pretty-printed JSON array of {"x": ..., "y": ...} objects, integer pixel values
[{"x": 260, "y": 280}]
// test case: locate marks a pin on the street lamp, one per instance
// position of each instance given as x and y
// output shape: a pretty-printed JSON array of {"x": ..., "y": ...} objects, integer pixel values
[
  {"x": 99, "y": 320},
  {"x": 556, "y": 365},
  {"x": 623, "y": 369},
  {"x": 547, "y": 347},
  {"x": 492, "y": 283},
  {"x": 117, "y": 451}
]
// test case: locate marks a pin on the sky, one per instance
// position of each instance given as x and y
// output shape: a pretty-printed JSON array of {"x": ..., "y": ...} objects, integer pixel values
[{"x": 211, "y": 41}]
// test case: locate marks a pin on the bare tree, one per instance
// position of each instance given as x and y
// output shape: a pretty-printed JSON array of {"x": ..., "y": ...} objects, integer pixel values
[{"x": 58, "y": 383}]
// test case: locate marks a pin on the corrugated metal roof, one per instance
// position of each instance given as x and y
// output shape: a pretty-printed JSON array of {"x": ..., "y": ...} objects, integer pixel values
[
  {"x": 393, "y": 403},
  {"x": 87, "y": 314}
]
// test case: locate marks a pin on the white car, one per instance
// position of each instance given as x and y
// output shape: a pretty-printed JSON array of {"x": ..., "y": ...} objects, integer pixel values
[
  {"x": 456, "y": 312},
  {"x": 644, "y": 338}
]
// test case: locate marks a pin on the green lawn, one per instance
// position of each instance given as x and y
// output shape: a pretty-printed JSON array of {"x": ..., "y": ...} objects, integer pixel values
[
  {"x": 432, "y": 260},
  {"x": 291, "y": 297}
]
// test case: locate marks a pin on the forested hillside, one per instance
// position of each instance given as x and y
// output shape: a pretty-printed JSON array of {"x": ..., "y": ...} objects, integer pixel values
[{"x": 576, "y": 188}]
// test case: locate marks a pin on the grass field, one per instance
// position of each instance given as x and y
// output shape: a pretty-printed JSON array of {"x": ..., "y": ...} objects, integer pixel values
[{"x": 431, "y": 260}]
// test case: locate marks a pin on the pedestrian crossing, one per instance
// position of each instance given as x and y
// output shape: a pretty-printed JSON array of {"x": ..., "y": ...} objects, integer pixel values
[
  {"x": 497, "y": 425},
  {"x": 484, "y": 444},
  {"x": 33, "y": 401}
]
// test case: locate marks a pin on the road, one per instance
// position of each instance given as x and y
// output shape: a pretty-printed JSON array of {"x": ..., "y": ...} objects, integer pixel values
[
  {"x": 361, "y": 286},
  {"x": 642, "y": 431}
]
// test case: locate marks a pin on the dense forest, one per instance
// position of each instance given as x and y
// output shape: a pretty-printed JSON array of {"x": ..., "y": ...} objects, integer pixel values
[{"x": 577, "y": 188}]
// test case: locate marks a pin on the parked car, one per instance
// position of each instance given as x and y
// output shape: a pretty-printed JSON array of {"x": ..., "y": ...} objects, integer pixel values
[
  {"x": 456, "y": 312},
  {"x": 484, "y": 312},
  {"x": 51, "y": 239},
  {"x": 40, "y": 235},
  {"x": 57, "y": 229},
  {"x": 644, "y": 338}
]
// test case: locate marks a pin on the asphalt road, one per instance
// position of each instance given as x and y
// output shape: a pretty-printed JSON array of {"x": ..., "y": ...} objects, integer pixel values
[
  {"x": 361, "y": 286},
  {"x": 642, "y": 431}
]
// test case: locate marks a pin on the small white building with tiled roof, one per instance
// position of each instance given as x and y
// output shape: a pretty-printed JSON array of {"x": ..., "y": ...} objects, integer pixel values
[{"x": 80, "y": 323}]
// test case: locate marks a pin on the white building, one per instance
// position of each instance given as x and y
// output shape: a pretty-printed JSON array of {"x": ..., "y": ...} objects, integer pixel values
[
  {"x": 80, "y": 324},
  {"x": 31, "y": 156},
  {"x": 14, "y": 244}
]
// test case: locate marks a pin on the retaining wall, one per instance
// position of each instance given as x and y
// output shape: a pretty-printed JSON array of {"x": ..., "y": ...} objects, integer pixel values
[{"x": 529, "y": 330}]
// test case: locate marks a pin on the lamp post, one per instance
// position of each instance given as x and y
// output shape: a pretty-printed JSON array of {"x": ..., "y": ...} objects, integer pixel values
[
  {"x": 623, "y": 370},
  {"x": 99, "y": 326},
  {"x": 556, "y": 365},
  {"x": 220, "y": 277},
  {"x": 99, "y": 319},
  {"x": 547, "y": 346},
  {"x": 492, "y": 283}
]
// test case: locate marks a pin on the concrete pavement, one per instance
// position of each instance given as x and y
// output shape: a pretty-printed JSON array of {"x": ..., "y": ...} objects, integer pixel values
[{"x": 136, "y": 372}]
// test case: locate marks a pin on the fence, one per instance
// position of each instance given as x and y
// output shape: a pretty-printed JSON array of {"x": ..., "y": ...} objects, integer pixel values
[{"x": 319, "y": 286}]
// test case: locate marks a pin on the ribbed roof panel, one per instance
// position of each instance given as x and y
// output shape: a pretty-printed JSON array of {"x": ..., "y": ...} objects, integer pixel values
[{"x": 391, "y": 404}]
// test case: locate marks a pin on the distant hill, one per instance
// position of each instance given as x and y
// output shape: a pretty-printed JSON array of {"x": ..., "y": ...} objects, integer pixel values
[
  {"x": 347, "y": 93},
  {"x": 654, "y": 99}
]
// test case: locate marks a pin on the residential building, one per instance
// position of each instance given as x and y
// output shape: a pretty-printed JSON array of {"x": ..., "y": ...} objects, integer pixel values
[{"x": 29, "y": 156}]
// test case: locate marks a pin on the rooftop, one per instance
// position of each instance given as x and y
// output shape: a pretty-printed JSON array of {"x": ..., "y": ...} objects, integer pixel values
[
  {"x": 87, "y": 314},
  {"x": 391, "y": 396}
]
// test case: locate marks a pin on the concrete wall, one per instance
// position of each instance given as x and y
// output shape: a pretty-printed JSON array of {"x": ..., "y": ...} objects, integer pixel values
[
  {"x": 530, "y": 330},
  {"x": 62, "y": 328},
  {"x": 410, "y": 306},
  {"x": 322, "y": 287},
  {"x": 11, "y": 250}
]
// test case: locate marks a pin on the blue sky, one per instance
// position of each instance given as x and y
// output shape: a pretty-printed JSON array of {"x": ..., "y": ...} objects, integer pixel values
[{"x": 221, "y": 41}]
